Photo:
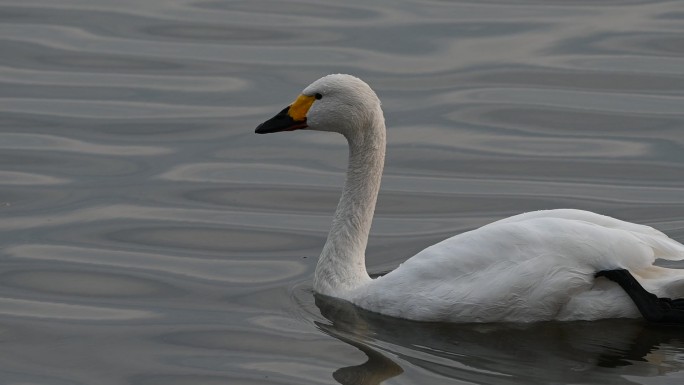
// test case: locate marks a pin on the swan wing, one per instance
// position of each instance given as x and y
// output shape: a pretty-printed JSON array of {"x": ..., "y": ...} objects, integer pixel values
[
  {"x": 663, "y": 246},
  {"x": 530, "y": 267}
]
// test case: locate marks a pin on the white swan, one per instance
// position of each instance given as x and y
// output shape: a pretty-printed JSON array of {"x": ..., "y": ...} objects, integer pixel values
[{"x": 530, "y": 267}]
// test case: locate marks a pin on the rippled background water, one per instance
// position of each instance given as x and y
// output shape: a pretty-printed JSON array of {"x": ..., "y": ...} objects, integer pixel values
[{"x": 149, "y": 237}]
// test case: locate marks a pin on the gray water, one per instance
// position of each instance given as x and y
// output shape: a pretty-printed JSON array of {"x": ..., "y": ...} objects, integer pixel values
[{"x": 147, "y": 236}]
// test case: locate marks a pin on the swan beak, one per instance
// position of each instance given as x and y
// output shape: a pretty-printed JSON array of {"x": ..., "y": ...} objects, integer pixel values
[
  {"x": 281, "y": 122},
  {"x": 292, "y": 117}
]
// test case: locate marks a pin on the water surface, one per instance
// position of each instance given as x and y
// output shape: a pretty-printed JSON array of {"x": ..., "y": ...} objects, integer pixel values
[{"x": 149, "y": 237}]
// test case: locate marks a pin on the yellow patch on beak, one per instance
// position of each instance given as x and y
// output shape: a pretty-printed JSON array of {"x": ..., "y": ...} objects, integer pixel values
[{"x": 300, "y": 107}]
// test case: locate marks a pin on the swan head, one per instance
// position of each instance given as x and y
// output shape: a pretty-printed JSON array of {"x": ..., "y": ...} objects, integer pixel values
[{"x": 337, "y": 103}]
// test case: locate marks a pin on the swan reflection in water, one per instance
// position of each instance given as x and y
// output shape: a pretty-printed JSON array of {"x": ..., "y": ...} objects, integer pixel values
[{"x": 606, "y": 351}]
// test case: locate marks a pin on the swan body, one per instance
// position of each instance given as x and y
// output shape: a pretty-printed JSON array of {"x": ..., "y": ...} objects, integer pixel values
[{"x": 530, "y": 267}]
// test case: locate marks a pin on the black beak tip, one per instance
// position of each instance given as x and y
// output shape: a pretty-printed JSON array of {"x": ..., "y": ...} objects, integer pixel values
[
  {"x": 260, "y": 129},
  {"x": 281, "y": 122}
]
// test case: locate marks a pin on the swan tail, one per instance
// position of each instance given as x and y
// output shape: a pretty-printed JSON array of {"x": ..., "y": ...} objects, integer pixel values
[{"x": 663, "y": 246}]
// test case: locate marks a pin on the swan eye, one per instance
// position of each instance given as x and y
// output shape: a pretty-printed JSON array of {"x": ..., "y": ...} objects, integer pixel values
[{"x": 318, "y": 96}]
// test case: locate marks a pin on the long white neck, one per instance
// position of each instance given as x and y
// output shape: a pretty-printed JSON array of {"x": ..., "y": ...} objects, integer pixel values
[{"x": 342, "y": 264}]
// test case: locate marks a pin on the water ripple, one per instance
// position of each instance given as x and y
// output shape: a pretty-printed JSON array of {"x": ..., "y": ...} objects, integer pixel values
[
  {"x": 568, "y": 147},
  {"x": 229, "y": 271},
  {"x": 28, "y": 179},
  {"x": 597, "y": 101},
  {"x": 179, "y": 83},
  {"x": 116, "y": 109},
  {"x": 60, "y": 311},
  {"x": 36, "y": 142}
]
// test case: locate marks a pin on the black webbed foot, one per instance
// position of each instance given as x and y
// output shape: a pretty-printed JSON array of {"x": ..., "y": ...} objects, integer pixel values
[{"x": 651, "y": 307}]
